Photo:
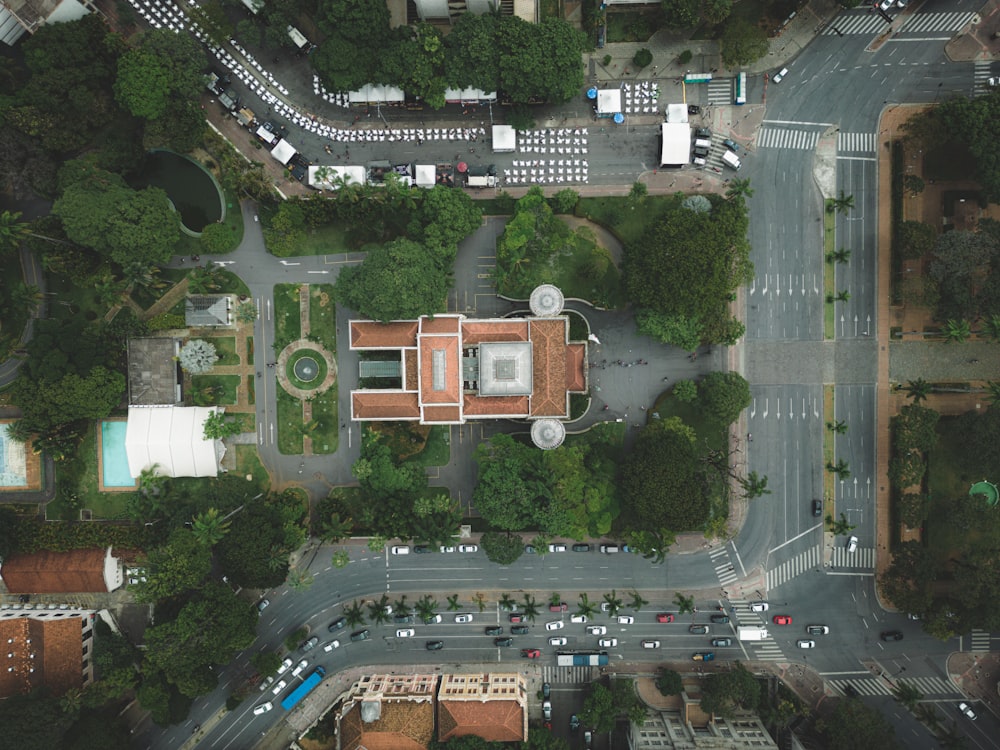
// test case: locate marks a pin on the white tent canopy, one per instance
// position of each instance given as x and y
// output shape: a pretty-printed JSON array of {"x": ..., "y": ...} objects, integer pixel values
[
  {"x": 283, "y": 152},
  {"x": 675, "y": 144},
  {"x": 504, "y": 138},
  {"x": 426, "y": 175},
  {"x": 328, "y": 177},
  {"x": 609, "y": 101},
  {"x": 171, "y": 438},
  {"x": 677, "y": 113},
  {"x": 376, "y": 94}
]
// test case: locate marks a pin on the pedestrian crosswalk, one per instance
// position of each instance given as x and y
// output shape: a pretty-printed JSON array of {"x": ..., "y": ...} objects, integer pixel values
[
  {"x": 927, "y": 686},
  {"x": 766, "y": 650},
  {"x": 569, "y": 675},
  {"x": 723, "y": 564},
  {"x": 720, "y": 91},
  {"x": 981, "y": 77},
  {"x": 980, "y": 641},
  {"x": 866, "y": 22},
  {"x": 808, "y": 560},
  {"x": 787, "y": 138},
  {"x": 856, "y": 143},
  {"x": 862, "y": 557}
]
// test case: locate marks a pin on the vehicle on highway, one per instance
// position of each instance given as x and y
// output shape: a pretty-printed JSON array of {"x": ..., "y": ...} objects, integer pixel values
[
  {"x": 703, "y": 656},
  {"x": 557, "y": 548},
  {"x": 720, "y": 642},
  {"x": 759, "y": 606},
  {"x": 558, "y": 640},
  {"x": 405, "y": 633},
  {"x": 577, "y": 619},
  {"x": 421, "y": 549},
  {"x": 608, "y": 642},
  {"x": 852, "y": 544},
  {"x": 805, "y": 643},
  {"x": 468, "y": 548},
  {"x": 403, "y": 619},
  {"x": 555, "y": 625},
  {"x": 581, "y": 548},
  {"x": 966, "y": 709},
  {"x": 494, "y": 630},
  {"x": 719, "y": 619},
  {"x": 503, "y": 642},
  {"x": 519, "y": 630},
  {"x": 432, "y": 620},
  {"x": 299, "y": 667},
  {"x": 588, "y": 737},
  {"x": 547, "y": 710},
  {"x": 515, "y": 617},
  {"x": 610, "y": 549},
  {"x": 891, "y": 635},
  {"x": 698, "y": 629},
  {"x": 265, "y": 684},
  {"x": 779, "y": 75},
  {"x": 285, "y": 666},
  {"x": 263, "y": 708},
  {"x": 279, "y": 687},
  {"x": 530, "y": 653},
  {"x": 360, "y": 635},
  {"x": 400, "y": 549},
  {"x": 650, "y": 644},
  {"x": 546, "y": 690},
  {"x": 782, "y": 620},
  {"x": 885, "y": 4},
  {"x": 625, "y": 619},
  {"x": 561, "y": 607},
  {"x": 445, "y": 548},
  {"x": 465, "y": 617},
  {"x": 574, "y": 722},
  {"x": 817, "y": 629},
  {"x": 817, "y": 508},
  {"x": 339, "y": 624},
  {"x": 434, "y": 645},
  {"x": 993, "y": 81},
  {"x": 262, "y": 605},
  {"x": 730, "y": 144},
  {"x": 310, "y": 644},
  {"x": 597, "y": 630},
  {"x": 529, "y": 549},
  {"x": 331, "y": 646},
  {"x": 664, "y": 617}
]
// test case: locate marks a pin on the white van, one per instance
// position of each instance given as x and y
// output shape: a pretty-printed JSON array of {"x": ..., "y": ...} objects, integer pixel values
[
  {"x": 400, "y": 549},
  {"x": 609, "y": 549},
  {"x": 702, "y": 143},
  {"x": 731, "y": 160}
]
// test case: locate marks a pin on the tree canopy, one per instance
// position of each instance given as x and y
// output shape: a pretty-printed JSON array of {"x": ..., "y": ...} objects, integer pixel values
[
  {"x": 725, "y": 395},
  {"x": 742, "y": 43},
  {"x": 964, "y": 269},
  {"x": 725, "y": 692},
  {"x": 161, "y": 72},
  {"x": 854, "y": 724}
]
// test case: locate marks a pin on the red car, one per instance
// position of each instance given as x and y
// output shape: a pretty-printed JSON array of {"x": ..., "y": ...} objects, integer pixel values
[
  {"x": 530, "y": 653},
  {"x": 665, "y": 618},
  {"x": 782, "y": 620}
]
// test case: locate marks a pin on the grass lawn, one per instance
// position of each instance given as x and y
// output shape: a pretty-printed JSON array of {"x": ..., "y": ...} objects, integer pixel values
[
  {"x": 248, "y": 462},
  {"x": 80, "y": 478},
  {"x": 829, "y": 273},
  {"x": 83, "y": 302},
  {"x": 323, "y": 316},
  {"x": 628, "y": 226},
  {"x": 326, "y": 436},
  {"x": 634, "y": 25},
  {"x": 421, "y": 444},
  {"x": 225, "y": 348},
  {"x": 289, "y": 423},
  {"x": 287, "y": 323},
  {"x": 230, "y": 283},
  {"x": 324, "y": 240},
  {"x": 228, "y": 383}
]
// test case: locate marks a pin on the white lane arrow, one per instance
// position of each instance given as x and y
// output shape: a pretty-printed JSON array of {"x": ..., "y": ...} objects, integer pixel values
[
  {"x": 815, "y": 288},
  {"x": 753, "y": 287},
  {"x": 766, "y": 400},
  {"x": 841, "y": 325},
  {"x": 855, "y": 326},
  {"x": 764, "y": 290},
  {"x": 753, "y": 409},
  {"x": 803, "y": 407},
  {"x": 868, "y": 325},
  {"x": 869, "y": 488}
]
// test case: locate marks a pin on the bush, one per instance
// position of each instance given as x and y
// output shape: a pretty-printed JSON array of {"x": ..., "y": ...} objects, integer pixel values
[
  {"x": 218, "y": 238},
  {"x": 606, "y": 60},
  {"x": 685, "y": 391},
  {"x": 503, "y": 549},
  {"x": 685, "y": 57},
  {"x": 642, "y": 58}
]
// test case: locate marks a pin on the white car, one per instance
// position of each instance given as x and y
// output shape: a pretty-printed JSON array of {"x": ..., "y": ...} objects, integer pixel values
[
  {"x": 405, "y": 633},
  {"x": 285, "y": 666},
  {"x": 331, "y": 646},
  {"x": 650, "y": 644},
  {"x": 577, "y": 619},
  {"x": 779, "y": 75},
  {"x": 463, "y": 618},
  {"x": 468, "y": 548},
  {"x": 805, "y": 643},
  {"x": 299, "y": 667},
  {"x": 759, "y": 606},
  {"x": 607, "y": 642},
  {"x": 547, "y": 710},
  {"x": 886, "y": 4},
  {"x": 558, "y": 640},
  {"x": 597, "y": 630},
  {"x": 605, "y": 607},
  {"x": 994, "y": 81},
  {"x": 557, "y": 548},
  {"x": 555, "y": 625},
  {"x": 852, "y": 544},
  {"x": 263, "y": 708},
  {"x": 433, "y": 620},
  {"x": 625, "y": 619},
  {"x": 265, "y": 684},
  {"x": 279, "y": 687},
  {"x": 400, "y": 549},
  {"x": 966, "y": 709},
  {"x": 443, "y": 549}
]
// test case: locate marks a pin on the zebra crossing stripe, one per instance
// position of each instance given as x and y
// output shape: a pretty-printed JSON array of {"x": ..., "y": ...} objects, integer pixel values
[
  {"x": 868, "y": 23},
  {"x": 980, "y": 640},
  {"x": 720, "y": 91},
  {"x": 789, "y": 569},
  {"x": 930, "y": 685},
  {"x": 863, "y": 558},
  {"x": 855, "y": 23},
  {"x": 864, "y": 687},
  {"x": 856, "y": 142},
  {"x": 568, "y": 675},
  {"x": 784, "y": 138},
  {"x": 922, "y": 22}
]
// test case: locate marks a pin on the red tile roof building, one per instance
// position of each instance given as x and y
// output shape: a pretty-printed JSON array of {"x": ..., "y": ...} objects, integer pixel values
[
  {"x": 50, "y": 648},
  {"x": 453, "y": 369},
  {"x": 388, "y": 712},
  {"x": 491, "y": 706},
  {"x": 75, "y": 572}
]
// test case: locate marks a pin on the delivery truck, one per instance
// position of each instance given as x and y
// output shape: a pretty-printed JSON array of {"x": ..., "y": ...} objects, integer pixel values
[{"x": 751, "y": 632}]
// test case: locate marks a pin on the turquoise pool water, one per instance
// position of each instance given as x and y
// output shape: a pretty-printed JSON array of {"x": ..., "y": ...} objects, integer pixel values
[
  {"x": 113, "y": 452},
  {"x": 12, "y": 464}
]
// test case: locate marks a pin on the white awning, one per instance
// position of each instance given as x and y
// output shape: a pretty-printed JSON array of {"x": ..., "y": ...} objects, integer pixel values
[
  {"x": 329, "y": 178},
  {"x": 171, "y": 438},
  {"x": 426, "y": 175},
  {"x": 504, "y": 138},
  {"x": 609, "y": 101},
  {"x": 283, "y": 152},
  {"x": 677, "y": 113},
  {"x": 675, "y": 146}
]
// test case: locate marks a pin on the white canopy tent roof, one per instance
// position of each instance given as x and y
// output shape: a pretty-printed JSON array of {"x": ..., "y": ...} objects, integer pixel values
[
  {"x": 675, "y": 145},
  {"x": 426, "y": 175},
  {"x": 171, "y": 438},
  {"x": 329, "y": 177},
  {"x": 376, "y": 93},
  {"x": 283, "y": 152},
  {"x": 266, "y": 135},
  {"x": 469, "y": 95},
  {"x": 677, "y": 113},
  {"x": 504, "y": 138},
  {"x": 609, "y": 101}
]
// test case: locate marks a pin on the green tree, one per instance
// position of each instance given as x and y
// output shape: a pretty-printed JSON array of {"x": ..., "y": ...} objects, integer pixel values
[
  {"x": 742, "y": 43},
  {"x": 564, "y": 201},
  {"x": 502, "y": 548},
  {"x": 254, "y": 553},
  {"x": 677, "y": 330},
  {"x": 453, "y": 605},
  {"x": 637, "y": 601},
  {"x": 217, "y": 427},
  {"x": 841, "y": 296},
  {"x": 180, "y": 565},
  {"x": 841, "y": 468},
  {"x": 642, "y": 58},
  {"x": 540, "y": 60},
  {"x": 209, "y": 527},
  {"x": 585, "y": 607},
  {"x": 841, "y": 205},
  {"x": 354, "y": 614},
  {"x": 908, "y": 695},
  {"x": 669, "y": 682},
  {"x": 530, "y": 608},
  {"x": 685, "y": 604},
  {"x": 914, "y": 428},
  {"x": 614, "y": 603},
  {"x": 507, "y": 603},
  {"x": 725, "y": 395},
  {"x": 917, "y": 390},
  {"x": 426, "y": 607},
  {"x": 680, "y": 14},
  {"x": 717, "y": 11},
  {"x": 840, "y": 526},
  {"x": 726, "y": 692},
  {"x": 266, "y": 662},
  {"x": 915, "y": 239},
  {"x": 957, "y": 331},
  {"x": 754, "y": 486},
  {"x": 853, "y": 724},
  {"x": 739, "y": 188},
  {"x": 839, "y": 256},
  {"x": 685, "y": 391},
  {"x": 837, "y": 427},
  {"x": 957, "y": 269},
  {"x": 599, "y": 710},
  {"x": 161, "y": 71},
  {"x": 356, "y": 33}
]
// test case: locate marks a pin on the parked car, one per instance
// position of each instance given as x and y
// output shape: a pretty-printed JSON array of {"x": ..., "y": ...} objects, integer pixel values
[
  {"x": 519, "y": 630},
  {"x": 433, "y": 620},
  {"x": 608, "y": 642},
  {"x": 555, "y": 625},
  {"x": 463, "y": 618},
  {"x": 261, "y": 606},
  {"x": 703, "y": 656},
  {"x": 263, "y": 708},
  {"x": 650, "y": 644},
  {"x": 503, "y": 642},
  {"x": 558, "y": 640},
  {"x": 817, "y": 508},
  {"x": 891, "y": 635},
  {"x": 577, "y": 619},
  {"x": 299, "y": 667},
  {"x": 310, "y": 644},
  {"x": 966, "y": 709},
  {"x": 574, "y": 722},
  {"x": 265, "y": 684},
  {"x": 759, "y": 606},
  {"x": 698, "y": 629},
  {"x": 597, "y": 630},
  {"x": 401, "y": 549},
  {"x": 468, "y": 548},
  {"x": 664, "y": 617},
  {"x": 434, "y": 645},
  {"x": 730, "y": 144},
  {"x": 530, "y": 653},
  {"x": 721, "y": 642},
  {"x": 494, "y": 630},
  {"x": 588, "y": 737},
  {"x": 547, "y": 710},
  {"x": 360, "y": 635},
  {"x": 782, "y": 620},
  {"x": 405, "y": 633},
  {"x": 557, "y": 548},
  {"x": 339, "y": 624},
  {"x": 445, "y": 548},
  {"x": 403, "y": 619},
  {"x": 817, "y": 629},
  {"x": 331, "y": 646},
  {"x": 285, "y": 666},
  {"x": 529, "y": 549},
  {"x": 276, "y": 690},
  {"x": 779, "y": 75},
  {"x": 805, "y": 643},
  {"x": 546, "y": 690},
  {"x": 719, "y": 619},
  {"x": 703, "y": 133},
  {"x": 421, "y": 549},
  {"x": 625, "y": 619},
  {"x": 581, "y": 548}
]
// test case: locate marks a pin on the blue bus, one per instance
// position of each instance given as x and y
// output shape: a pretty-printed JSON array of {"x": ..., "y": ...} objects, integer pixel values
[
  {"x": 741, "y": 89},
  {"x": 307, "y": 686}
]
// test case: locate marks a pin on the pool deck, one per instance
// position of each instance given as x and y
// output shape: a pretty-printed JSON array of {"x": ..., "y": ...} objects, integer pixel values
[
  {"x": 32, "y": 470},
  {"x": 100, "y": 460}
]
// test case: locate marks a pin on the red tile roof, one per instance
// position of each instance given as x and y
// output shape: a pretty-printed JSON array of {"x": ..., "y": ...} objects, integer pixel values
[
  {"x": 440, "y": 324},
  {"x": 442, "y": 414},
  {"x": 46, "y": 652},
  {"x": 576, "y": 368},
  {"x": 505, "y": 406},
  {"x": 493, "y": 720},
  {"x": 403, "y": 725},
  {"x": 548, "y": 341},
  {"x": 368, "y": 334},
  {"x": 410, "y": 368},
  {"x": 76, "y": 571},
  {"x": 452, "y": 375},
  {"x": 478, "y": 331},
  {"x": 384, "y": 405}
]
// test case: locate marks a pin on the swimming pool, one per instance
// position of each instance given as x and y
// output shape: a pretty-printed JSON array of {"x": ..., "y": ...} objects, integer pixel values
[
  {"x": 13, "y": 470},
  {"x": 114, "y": 463}
]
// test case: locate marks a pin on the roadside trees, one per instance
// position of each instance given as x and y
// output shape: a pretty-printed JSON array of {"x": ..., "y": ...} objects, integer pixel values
[{"x": 742, "y": 43}]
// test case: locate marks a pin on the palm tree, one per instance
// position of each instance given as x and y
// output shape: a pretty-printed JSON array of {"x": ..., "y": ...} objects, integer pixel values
[
  {"x": 340, "y": 559},
  {"x": 453, "y": 605},
  {"x": 72, "y": 699},
  {"x": 209, "y": 527},
  {"x": 841, "y": 468},
  {"x": 993, "y": 386},
  {"x": 479, "y": 600},
  {"x": 530, "y": 607},
  {"x": 957, "y": 331},
  {"x": 26, "y": 296},
  {"x": 203, "y": 281},
  {"x": 334, "y": 528},
  {"x": 841, "y": 296},
  {"x": 927, "y": 714},
  {"x": 151, "y": 483},
  {"x": 110, "y": 291},
  {"x": 376, "y": 610},
  {"x": 685, "y": 604},
  {"x": 12, "y": 231},
  {"x": 840, "y": 526},
  {"x": 908, "y": 695},
  {"x": 838, "y": 427},
  {"x": 585, "y": 608},
  {"x": 843, "y": 204},
  {"x": 613, "y": 602},
  {"x": 426, "y": 607},
  {"x": 839, "y": 256},
  {"x": 299, "y": 580},
  {"x": 917, "y": 390},
  {"x": 354, "y": 614},
  {"x": 991, "y": 327},
  {"x": 739, "y": 188},
  {"x": 402, "y": 608},
  {"x": 507, "y": 603},
  {"x": 754, "y": 486},
  {"x": 277, "y": 557},
  {"x": 637, "y": 601},
  {"x": 19, "y": 431}
]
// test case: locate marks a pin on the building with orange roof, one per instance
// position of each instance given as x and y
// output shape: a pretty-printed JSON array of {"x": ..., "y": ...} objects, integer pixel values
[
  {"x": 74, "y": 572},
  {"x": 388, "y": 712},
  {"x": 449, "y": 369},
  {"x": 50, "y": 648},
  {"x": 493, "y": 706}
]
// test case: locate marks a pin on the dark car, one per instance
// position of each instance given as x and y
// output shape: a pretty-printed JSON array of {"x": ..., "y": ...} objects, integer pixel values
[
  {"x": 503, "y": 642},
  {"x": 546, "y": 690},
  {"x": 703, "y": 133},
  {"x": 574, "y": 722},
  {"x": 698, "y": 629},
  {"x": 529, "y": 549},
  {"x": 892, "y": 635},
  {"x": 422, "y": 549},
  {"x": 361, "y": 635},
  {"x": 730, "y": 144},
  {"x": 719, "y": 619},
  {"x": 519, "y": 630},
  {"x": 694, "y": 109},
  {"x": 494, "y": 630},
  {"x": 581, "y": 548},
  {"x": 404, "y": 619},
  {"x": 719, "y": 642},
  {"x": 339, "y": 624},
  {"x": 817, "y": 508},
  {"x": 434, "y": 645}
]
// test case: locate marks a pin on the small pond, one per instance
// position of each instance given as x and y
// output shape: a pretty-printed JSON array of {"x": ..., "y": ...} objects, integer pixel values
[{"x": 190, "y": 188}]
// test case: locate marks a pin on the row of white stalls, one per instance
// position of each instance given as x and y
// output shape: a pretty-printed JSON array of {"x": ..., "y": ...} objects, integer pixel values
[{"x": 333, "y": 178}]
